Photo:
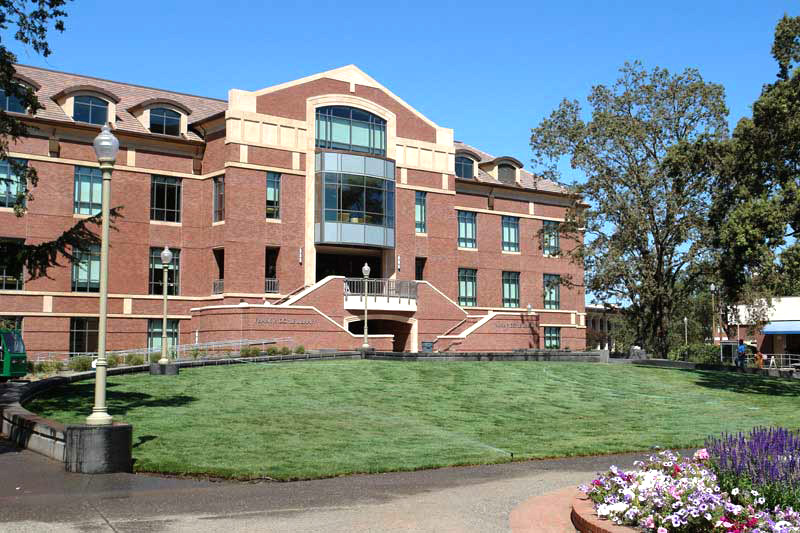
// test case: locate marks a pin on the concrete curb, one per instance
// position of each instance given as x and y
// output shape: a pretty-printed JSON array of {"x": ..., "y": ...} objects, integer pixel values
[{"x": 667, "y": 363}]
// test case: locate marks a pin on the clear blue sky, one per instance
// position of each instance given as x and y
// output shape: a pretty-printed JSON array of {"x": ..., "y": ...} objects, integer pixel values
[{"x": 489, "y": 70}]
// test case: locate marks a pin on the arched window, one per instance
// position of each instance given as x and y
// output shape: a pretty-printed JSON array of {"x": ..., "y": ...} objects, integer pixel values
[
  {"x": 90, "y": 109},
  {"x": 506, "y": 173},
  {"x": 348, "y": 128},
  {"x": 9, "y": 102},
  {"x": 165, "y": 121},
  {"x": 464, "y": 167}
]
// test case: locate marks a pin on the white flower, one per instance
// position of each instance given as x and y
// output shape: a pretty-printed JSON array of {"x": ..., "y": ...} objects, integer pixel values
[{"x": 735, "y": 492}]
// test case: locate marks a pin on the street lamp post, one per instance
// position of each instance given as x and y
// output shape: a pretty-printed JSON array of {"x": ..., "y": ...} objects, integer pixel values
[
  {"x": 685, "y": 331},
  {"x": 714, "y": 321},
  {"x": 365, "y": 271},
  {"x": 106, "y": 147},
  {"x": 166, "y": 259}
]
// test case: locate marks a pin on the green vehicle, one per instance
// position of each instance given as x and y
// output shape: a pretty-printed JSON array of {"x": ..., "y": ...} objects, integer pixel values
[{"x": 14, "y": 360}]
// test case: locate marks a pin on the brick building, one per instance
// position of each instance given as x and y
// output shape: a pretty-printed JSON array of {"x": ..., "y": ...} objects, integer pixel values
[{"x": 271, "y": 201}]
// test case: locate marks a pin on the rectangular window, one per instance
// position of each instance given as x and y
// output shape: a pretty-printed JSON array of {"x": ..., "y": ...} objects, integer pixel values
[
  {"x": 550, "y": 238},
  {"x": 552, "y": 338},
  {"x": 510, "y": 234},
  {"x": 154, "y": 329},
  {"x": 552, "y": 291},
  {"x": 88, "y": 197},
  {"x": 467, "y": 230},
  {"x": 467, "y": 287},
  {"x": 86, "y": 270},
  {"x": 273, "y": 195},
  {"x": 11, "y": 322},
  {"x": 10, "y": 272},
  {"x": 157, "y": 274},
  {"x": 510, "y": 289},
  {"x": 11, "y": 184},
  {"x": 420, "y": 208},
  {"x": 83, "y": 335},
  {"x": 419, "y": 268},
  {"x": 219, "y": 198},
  {"x": 165, "y": 199}
]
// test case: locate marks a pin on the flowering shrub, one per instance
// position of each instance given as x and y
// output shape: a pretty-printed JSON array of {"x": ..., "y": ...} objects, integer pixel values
[
  {"x": 668, "y": 493},
  {"x": 766, "y": 459}
]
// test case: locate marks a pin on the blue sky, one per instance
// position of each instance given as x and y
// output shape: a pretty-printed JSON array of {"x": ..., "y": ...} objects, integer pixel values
[{"x": 489, "y": 70}]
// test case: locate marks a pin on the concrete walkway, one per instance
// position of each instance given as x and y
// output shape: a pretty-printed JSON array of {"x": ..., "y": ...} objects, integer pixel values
[{"x": 37, "y": 495}]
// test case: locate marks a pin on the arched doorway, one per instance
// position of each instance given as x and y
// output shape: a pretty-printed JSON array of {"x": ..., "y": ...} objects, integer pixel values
[{"x": 403, "y": 329}]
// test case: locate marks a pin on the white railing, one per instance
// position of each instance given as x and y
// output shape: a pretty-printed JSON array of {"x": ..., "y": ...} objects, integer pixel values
[
  {"x": 381, "y": 287},
  {"x": 781, "y": 360},
  {"x": 218, "y": 286},
  {"x": 271, "y": 285}
]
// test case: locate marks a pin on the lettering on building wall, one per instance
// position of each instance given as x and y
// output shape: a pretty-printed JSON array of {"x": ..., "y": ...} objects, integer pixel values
[
  {"x": 293, "y": 321},
  {"x": 514, "y": 325}
]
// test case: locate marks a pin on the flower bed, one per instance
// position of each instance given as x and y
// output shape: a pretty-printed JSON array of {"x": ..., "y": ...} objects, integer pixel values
[{"x": 670, "y": 493}]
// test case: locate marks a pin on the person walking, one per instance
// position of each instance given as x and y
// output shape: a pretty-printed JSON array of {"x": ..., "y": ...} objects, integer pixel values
[
  {"x": 741, "y": 350},
  {"x": 759, "y": 358}
]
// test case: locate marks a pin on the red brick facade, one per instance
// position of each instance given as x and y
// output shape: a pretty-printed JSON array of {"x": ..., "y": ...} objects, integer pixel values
[{"x": 318, "y": 318}]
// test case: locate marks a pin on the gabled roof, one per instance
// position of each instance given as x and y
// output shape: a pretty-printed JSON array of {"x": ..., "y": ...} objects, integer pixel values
[
  {"x": 527, "y": 180},
  {"x": 52, "y": 83}
]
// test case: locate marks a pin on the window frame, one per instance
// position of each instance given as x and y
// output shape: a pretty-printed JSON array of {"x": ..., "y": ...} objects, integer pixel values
[
  {"x": 551, "y": 300},
  {"x": 13, "y": 281},
  {"x": 467, "y": 277},
  {"x": 462, "y": 162},
  {"x": 273, "y": 211},
  {"x": 421, "y": 211},
  {"x": 510, "y": 279},
  {"x": 511, "y": 224},
  {"x": 552, "y": 338},
  {"x": 218, "y": 213},
  {"x": 84, "y": 261},
  {"x": 466, "y": 220},
  {"x": 155, "y": 275},
  {"x": 6, "y": 98},
  {"x": 503, "y": 173},
  {"x": 159, "y": 185},
  {"x": 154, "y": 326},
  {"x": 327, "y": 118},
  {"x": 88, "y": 327},
  {"x": 164, "y": 114},
  {"x": 551, "y": 238},
  {"x": 7, "y": 198},
  {"x": 94, "y": 205},
  {"x": 91, "y": 104}
]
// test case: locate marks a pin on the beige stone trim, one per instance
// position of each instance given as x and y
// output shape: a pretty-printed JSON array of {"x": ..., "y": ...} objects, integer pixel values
[
  {"x": 506, "y": 252},
  {"x": 403, "y": 175},
  {"x": 139, "y": 296},
  {"x": 80, "y": 216},
  {"x": 47, "y": 304},
  {"x": 6, "y": 209},
  {"x": 273, "y": 220},
  {"x": 243, "y": 153},
  {"x": 218, "y": 223},
  {"x": 425, "y": 189},
  {"x": 165, "y": 223},
  {"x": 506, "y": 213},
  {"x": 533, "y": 310},
  {"x": 531, "y": 208},
  {"x": 460, "y": 249},
  {"x": 131, "y": 157},
  {"x": 127, "y": 306},
  {"x": 80, "y": 315},
  {"x": 251, "y": 166},
  {"x": 423, "y": 234},
  {"x": 445, "y": 181}
]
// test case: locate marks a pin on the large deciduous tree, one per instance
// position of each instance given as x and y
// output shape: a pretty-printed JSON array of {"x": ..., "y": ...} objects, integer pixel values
[
  {"x": 29, "y": 22},
  {"x": 756, "y": 209},
  {"x": 639, "y": 147}
]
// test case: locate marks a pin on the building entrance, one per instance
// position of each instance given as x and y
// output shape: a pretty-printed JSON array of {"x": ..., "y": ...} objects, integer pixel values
[
  {"x": 348, "y": 265},
  {"x": 400, "y": 330}
]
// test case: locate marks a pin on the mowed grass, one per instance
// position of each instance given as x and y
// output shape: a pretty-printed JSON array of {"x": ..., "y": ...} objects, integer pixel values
[{"x": 310, "y": 420}]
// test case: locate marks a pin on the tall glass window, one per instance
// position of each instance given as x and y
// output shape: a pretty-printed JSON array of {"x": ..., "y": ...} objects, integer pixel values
[
  {"x": 467, "y": 287},
  {"x": 552, "y": 291},
  {"x": 273, "y": 195},
  {"x": 550, "y": 238},
  {"x": 157, "y": 275},
  {"x": 88, "y": 197},
  {"x": 510, "y": 234},
  {"x": 90, "y": 109},
  {"x": 552, "y": 338},
  {"x": 86, "y": 270},
  {"x": 165, "y": 198},
  {"x": 11, "y": 184},
  {"x": 510, "y": 289},
  {"x": 467, "y": 230},
  {"x": 83, "y": 335},
  {"x": 359, "y": 199},
  {"x": 154, "y": 331},
  {"x": 10, "y": 272},
  {"x": 464, "y": 167},
  {"x": 219, "y": 198},
  {"x": 420, "y": 208},
  {"x": 165, "y": 121},
  {"x": 9, "y": 102},
  {"x": 348, "y": 128}
]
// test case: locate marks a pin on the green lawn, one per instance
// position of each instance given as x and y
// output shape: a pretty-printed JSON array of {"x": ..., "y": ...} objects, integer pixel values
[{"x": 308, "y": 420}]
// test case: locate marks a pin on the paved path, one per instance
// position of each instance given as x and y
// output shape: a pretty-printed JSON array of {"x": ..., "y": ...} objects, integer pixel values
[{"x": 36, "y": 495}]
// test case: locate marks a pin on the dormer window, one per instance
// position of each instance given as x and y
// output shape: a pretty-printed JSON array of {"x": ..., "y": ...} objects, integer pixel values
[
  {"x": 506, "y": 173},
  {"x": 165, "y": 121},
  {"x": 9, "y": 102},
  {"x": 465, "y": 167},
  {"x": 90, "y": 109}
]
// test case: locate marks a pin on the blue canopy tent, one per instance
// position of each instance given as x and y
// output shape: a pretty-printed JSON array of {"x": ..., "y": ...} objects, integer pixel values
[{"x": 784, "y": 327}]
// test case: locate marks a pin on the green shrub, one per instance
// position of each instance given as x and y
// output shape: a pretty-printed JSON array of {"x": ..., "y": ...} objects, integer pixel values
[
  {"x": 154, "y": 357},
  {"x": 272, "y": 350},
  {"x": 285, "y": 350},
  {"x": 112, "y": 361},
  {"x": 134, "y": 359},
  {"x": 249, "y": 351},
  {"x": 194, "y": 353},
  {"x": 80, "y": 363},
  {"x": 300, "y": 349},
  {"x": 49, "y": 367},
  {"x": 696, "y": 353}
]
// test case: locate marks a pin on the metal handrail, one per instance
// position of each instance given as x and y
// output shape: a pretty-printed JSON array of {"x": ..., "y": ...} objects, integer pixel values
[
  {"x": 271, "y": 285},
  {"x": 218, "y": 286},
  {"x": 381, "y": 287}
]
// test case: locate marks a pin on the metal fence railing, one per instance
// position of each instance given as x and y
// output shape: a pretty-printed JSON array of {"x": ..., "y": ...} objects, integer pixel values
[
  {"x": 178, "y": 352},
  {"x": 271, "y": 285},
  {"x": 218, "y": 286},
  {"x": 381, "y": 287}
]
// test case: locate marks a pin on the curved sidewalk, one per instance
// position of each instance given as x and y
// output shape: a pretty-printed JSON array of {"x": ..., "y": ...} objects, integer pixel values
[{"x": 38, "y": 495}]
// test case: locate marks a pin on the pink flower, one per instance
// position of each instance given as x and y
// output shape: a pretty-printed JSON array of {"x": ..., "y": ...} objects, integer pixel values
[
  {"x": 662, "y": 530},
  {"x": 701, "y": 454}
]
